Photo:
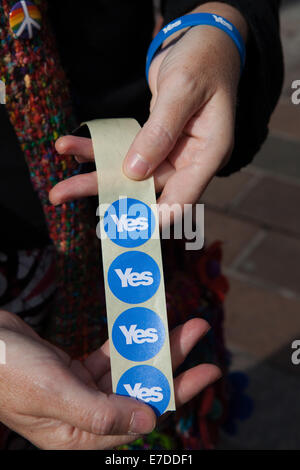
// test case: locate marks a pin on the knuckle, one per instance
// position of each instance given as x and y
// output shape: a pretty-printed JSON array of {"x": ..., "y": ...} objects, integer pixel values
[
  {"x": 104, "y": 422},
  {"x": 159, "y": 133},
  {"x": 186, "y": 82}
]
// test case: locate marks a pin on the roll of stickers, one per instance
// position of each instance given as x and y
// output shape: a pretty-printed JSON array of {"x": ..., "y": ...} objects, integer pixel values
[{"x": 133, "y": 272}]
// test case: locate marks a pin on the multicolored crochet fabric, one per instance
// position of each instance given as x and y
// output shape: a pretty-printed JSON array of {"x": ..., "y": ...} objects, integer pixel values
[{"x": 39, "y": 108}]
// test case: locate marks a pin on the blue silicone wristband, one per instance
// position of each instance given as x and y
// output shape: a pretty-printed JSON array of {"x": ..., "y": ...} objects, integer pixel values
[{"x": 196, "y": 19}]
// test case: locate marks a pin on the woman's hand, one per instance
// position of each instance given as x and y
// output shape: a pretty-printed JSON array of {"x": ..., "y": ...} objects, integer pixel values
[
  {"x": 57, "y": 403},
  {"x": 189, "y": 135}
]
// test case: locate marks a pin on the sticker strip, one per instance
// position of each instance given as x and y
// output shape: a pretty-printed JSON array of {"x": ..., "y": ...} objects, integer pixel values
[{"x": 133, "y": 272}]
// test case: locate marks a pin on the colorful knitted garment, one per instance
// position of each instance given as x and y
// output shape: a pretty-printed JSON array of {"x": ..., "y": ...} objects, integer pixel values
[
  {"x": 38, "y": 105},
  {"x": 195, "y": 288}
]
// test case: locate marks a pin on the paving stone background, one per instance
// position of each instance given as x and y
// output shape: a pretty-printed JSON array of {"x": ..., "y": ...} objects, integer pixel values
[{"x": 256, "y": 213}]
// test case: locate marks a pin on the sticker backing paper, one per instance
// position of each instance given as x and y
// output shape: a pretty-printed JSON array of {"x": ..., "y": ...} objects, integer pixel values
[{"x": 133, "y": 272}]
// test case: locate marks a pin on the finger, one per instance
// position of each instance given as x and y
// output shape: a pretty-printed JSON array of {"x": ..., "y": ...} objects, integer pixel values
[
  {"x": 105, "y": 383},
  {"x": 83, "y": 374},
  {"x": 76, "y": 187},
  {"x": 181, "y": 191},
  {"x": 74, "y": 403},
  {"x": 188, "y": 384},
  {"x": 191, "y": 382},
  {"x": 98, "y": 362},
  {"x": 184, "y": 187},
  {"x": 86, "y": 185},
  {"x": 182, "y": 340},
  {"x": 176, "y": 102},
  {"x": 82, "y": 147},
  {"x": 184, "y": 337},
  {"x": 198, "y": 156},
  {"x": 161, "y": 175},
  {"x": 51, "y": 390}
]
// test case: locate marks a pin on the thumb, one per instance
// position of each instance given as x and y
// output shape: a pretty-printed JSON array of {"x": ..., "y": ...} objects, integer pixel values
[
  {"x": 172, "y": 109},
  {"x": 97, "y": 413}
]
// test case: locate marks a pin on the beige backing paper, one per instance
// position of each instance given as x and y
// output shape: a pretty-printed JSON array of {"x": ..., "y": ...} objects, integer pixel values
[{"x": 111, "y": 140}]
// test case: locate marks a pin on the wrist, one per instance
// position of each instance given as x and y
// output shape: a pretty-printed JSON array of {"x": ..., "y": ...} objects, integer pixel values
[
  {"x": 229, "y": 12},
  {"x": 201, "y": 20}
]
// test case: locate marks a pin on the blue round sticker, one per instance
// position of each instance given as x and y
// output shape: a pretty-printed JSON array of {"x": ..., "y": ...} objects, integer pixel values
[
  {"x": 129, "y": 222},
  {"x": 148, "y": 384},
  {"x": 138, "y": 334},
  {"x": 133, "y": 277}
]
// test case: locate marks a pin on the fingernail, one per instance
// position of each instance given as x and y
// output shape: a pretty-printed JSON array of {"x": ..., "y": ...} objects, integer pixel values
[
  {"x": 141, "y": 423},
  {"x": 60, "y": 146},
  {"x": 55, "y": 203},
  {"x": 136, "y": 166},
  {"x": 53, "y": 200}
]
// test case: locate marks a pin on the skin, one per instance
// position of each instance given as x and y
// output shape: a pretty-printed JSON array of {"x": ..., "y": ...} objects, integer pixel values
[
  {"x": 189, "y": 135},
  {"x": 55, "y": 402},
  {"x": 59, "y": 403}
]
